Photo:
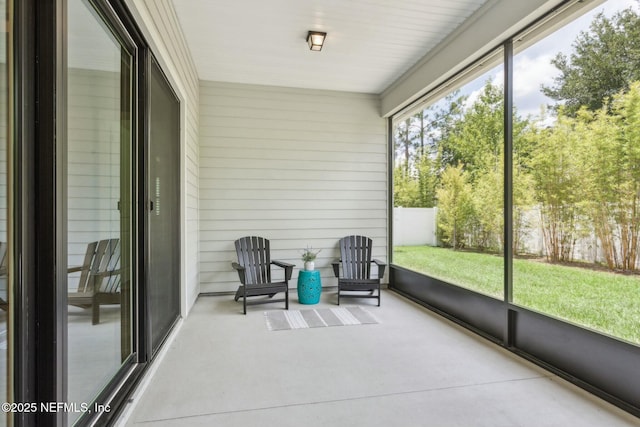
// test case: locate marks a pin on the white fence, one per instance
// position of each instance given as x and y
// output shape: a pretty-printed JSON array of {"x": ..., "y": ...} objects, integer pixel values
[
  {"x": 417, "y": 226},
  {"x": 414, "y": 226}
]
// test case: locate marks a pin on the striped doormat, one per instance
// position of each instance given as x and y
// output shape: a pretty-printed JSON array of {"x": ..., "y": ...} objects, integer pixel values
[{"x": 318, "y": 318}]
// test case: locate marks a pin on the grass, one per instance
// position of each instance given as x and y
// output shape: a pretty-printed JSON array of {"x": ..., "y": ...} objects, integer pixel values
[{"x": 599, "y": 300}]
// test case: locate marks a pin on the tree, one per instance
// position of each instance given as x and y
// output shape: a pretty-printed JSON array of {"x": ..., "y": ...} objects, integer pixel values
[
  {"x": 427, "y": 182},
  {"x": 558, "y": 174},
  {"x": 417, "y": 167},
  {"x": 613, "y": 178},
  {"x": 402, "y": 145},
  {"x": 604, "y": 61},
  {"x": 627, "y": 106},
  {"x": 406, "y": 192},
  {"x": 475, "y": 138},
  {"x": 488, "y": 196},
  {"x": 420, "y": 127},
  {"x": 446, "y": 113},
  {"x": 523, "y": 202},
  {"x": 455, "y": 206},
  {"x": 526, "y": 135}
]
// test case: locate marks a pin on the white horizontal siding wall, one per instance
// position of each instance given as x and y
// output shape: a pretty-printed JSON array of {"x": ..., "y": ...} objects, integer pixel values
[
  {"x": 160, "y": 25},
  {"x": 93, "y": 163},
  {"x": 299, "y": 167}
]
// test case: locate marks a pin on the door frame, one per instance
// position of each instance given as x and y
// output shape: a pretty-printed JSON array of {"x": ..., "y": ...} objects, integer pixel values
[{"x": 38, "y": 122}]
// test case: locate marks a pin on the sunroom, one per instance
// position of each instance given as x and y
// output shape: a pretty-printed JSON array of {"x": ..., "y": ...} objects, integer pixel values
[{"x": 487, "y": 147}]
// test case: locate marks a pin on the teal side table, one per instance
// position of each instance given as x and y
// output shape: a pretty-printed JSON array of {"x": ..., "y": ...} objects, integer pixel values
[{"x": 309, "y": 286}]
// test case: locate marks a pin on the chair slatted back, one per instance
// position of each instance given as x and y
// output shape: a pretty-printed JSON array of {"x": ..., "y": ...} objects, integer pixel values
[
  {"x": 355, "y": 254},
  {"x": 3, "y": 256},
  {"x": 4, "y": 269},
  {"x": 254, "y": 255},
  {"x": 111, "y": 262},
  {"x": 88, "y": 266},
  {"x": 101, "y": 257}
]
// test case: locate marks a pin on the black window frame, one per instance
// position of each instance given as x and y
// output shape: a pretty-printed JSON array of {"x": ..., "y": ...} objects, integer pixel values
[
  {"x": 602, "y": 365},
  {"x": 39, "y": 359}
]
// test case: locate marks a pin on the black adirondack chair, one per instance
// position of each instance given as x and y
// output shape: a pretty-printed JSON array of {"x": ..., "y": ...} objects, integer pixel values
[
  {"x": 99, "y": 277},
  {"x": 254, "y": 270},
  {"x": 355, "y": 258}
]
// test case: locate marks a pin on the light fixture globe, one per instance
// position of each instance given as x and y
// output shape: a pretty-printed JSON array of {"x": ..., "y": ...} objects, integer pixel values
[{"x": 315, "y": 39}]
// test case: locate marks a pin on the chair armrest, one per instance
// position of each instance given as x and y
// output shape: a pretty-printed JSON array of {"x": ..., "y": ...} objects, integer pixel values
[
  {"x": 336, "y": 267},
  {"x": 240, "y": 270},
  {"x": 74, "y": 269},
  {"x": 109, "y": 273},
  {"x": 381, "y": 267},
  {"x": 288, "y": 268}
]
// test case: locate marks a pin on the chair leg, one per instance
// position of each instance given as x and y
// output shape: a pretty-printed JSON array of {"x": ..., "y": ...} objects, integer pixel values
[
  {"x": 286, "y": 298},
  {"x": 95, "y": 317},
  {"x": 239, "y": 293}
]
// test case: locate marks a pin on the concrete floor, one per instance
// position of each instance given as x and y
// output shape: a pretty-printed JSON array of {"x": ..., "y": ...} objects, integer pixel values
[
  {"x": 414, "y": 368},
  {"x": 93, "y": 351}
]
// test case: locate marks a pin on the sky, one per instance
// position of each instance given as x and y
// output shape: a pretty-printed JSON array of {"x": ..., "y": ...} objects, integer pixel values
[{"x": 532, "y": 67}]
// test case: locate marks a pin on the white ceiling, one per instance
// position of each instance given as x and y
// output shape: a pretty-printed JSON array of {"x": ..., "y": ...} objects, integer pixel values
[{"x": 370, "y": 43}]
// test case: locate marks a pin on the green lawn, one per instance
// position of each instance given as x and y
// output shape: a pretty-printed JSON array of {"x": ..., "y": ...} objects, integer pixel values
[{"x": 603, "y": 301}]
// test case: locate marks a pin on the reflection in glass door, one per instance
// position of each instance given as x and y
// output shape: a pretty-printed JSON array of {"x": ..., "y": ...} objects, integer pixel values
[
  {"x": 98, "y": 204},
  {"x": 4, "y": 238}
]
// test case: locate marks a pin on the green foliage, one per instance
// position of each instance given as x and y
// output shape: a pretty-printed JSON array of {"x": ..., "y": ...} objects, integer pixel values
[
  {"x": 523, "y": 202},
  {"x": 450, "y": 134},
  {"x": 488, "y": 207},
  {"x": 402, "y": 145},
  {"x": 627, "y": 216},
  {"x": 450, "y": 112},
  {"x": 557, "y": 176},
  {"x": 476, "y": 139},
  {"x": 455, "y": 206},
  {"x": 427, "y": 182},
  {"x": 418, "y": 189},
  {"x": 579, "y": 171},
  {"x": 605, "y": 60},
  {"x": 406, "y": 191},
  {"x": 308, "y": 254},
  {"x": 613, "y": 179}
]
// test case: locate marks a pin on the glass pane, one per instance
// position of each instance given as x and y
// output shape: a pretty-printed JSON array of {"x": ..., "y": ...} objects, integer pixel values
[
  {"x": 4, "y": 140},
  {"x": 576, "y": 176},
  {"x": 98, "y": 179},
  {"x": 448, "y": 186}
]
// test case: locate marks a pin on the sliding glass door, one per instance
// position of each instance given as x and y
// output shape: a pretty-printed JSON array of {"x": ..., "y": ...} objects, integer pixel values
[
  {"x": 5, "y": 252},
  {"x": 89, "y": 209},
  {"x": 99, "y": 206}
]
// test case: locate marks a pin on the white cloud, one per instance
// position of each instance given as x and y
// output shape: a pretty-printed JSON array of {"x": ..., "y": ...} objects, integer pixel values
[
  {"x": 533, "y": 68},
  {"x": 530, "y": 73}
]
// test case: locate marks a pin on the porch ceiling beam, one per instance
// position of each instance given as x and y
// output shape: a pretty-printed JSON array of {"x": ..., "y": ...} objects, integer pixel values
[{"x": 489, "y": 27}]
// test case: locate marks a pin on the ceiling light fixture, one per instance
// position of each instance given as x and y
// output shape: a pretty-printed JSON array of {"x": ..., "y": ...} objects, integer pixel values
[{"x": 316, "y": 40}]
